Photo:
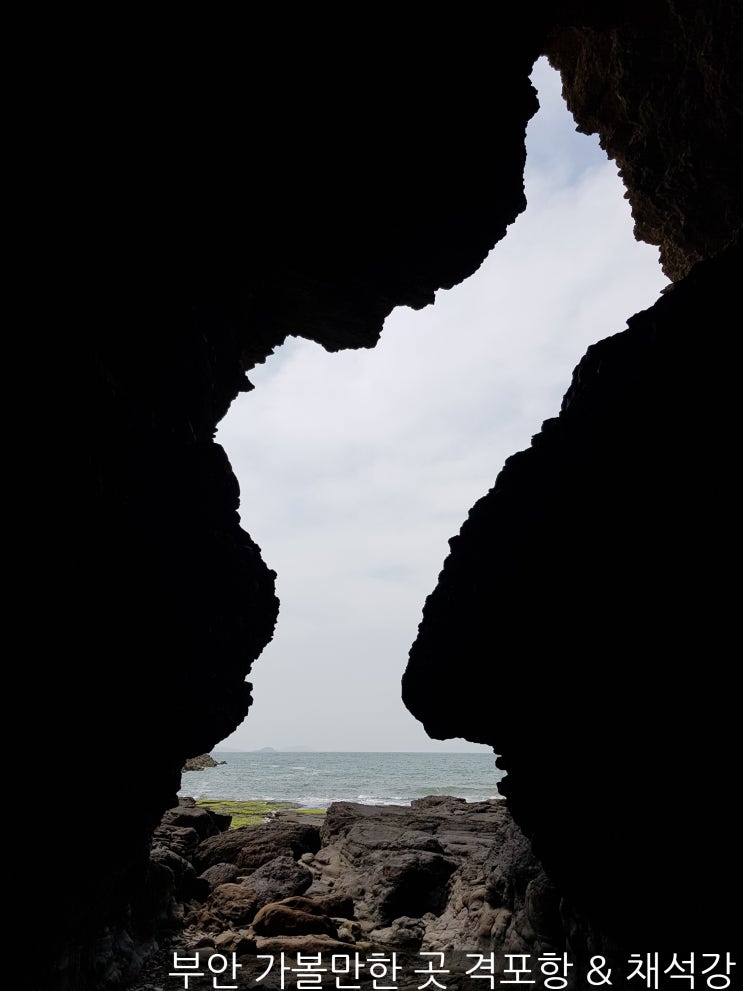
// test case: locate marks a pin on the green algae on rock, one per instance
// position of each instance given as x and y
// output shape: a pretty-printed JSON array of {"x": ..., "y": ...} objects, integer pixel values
[
  {"x": 254, "y": 812},
  {"x": 251, "y": 813}
]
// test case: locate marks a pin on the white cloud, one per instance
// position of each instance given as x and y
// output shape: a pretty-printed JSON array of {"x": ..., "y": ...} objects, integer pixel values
[{"x": 355, "y": 468}]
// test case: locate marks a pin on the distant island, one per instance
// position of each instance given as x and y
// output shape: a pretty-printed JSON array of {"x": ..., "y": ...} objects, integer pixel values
[{"x": 285, "y": 750}]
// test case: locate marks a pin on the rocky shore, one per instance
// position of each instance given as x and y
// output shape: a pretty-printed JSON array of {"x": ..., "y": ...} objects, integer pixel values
[
  {"x": 421, "y": 885},
  {"x": 201, "y": 762}
]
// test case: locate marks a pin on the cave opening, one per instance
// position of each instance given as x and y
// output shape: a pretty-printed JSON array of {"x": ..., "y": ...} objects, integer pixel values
[
  {"x": 179, "y": 241},
  {"x": 356, "y": 467}
]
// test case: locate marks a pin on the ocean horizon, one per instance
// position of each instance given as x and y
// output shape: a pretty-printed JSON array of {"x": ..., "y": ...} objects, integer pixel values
[{"x": 315, "y": 778}]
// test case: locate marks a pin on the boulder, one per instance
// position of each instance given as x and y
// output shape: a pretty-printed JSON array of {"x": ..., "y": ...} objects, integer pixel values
[
  {"x": 336, "y": 906},
  {"x": 194, "y": 817},
  {"x": 403, "y": 932},
  {"x": 441, "y": 875},
  {"x": 200, "y": 763},
  {"x": 182, "y": 840},
  {"x": 292, "y": 945},
  {"x": 232, "y": 904},
  {"x": 234, "y": 941},
  {"x": 279, "y": 878},
  {"x": 229, "y": 905},
  {"x": 279, "y": 919},
  {"x": 186, "y": 825},
  {"x": 187, "y": 885},
  {"x": 251, "y": 846},
  {"x": 220, "y": 874}
]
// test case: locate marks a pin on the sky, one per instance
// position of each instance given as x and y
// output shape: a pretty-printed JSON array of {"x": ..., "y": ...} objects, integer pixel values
[{"x": 355, "y": 468}]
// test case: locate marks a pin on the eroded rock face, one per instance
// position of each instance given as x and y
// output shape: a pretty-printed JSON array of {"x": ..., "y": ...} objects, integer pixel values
[
  {"x": 662, "y": 89},
  {"x": 375, "y": 889},
  {"x": 586, "y": 588},
  {"x": 201, "y": 218},
  {"x": 443, "y": 874},
  {"x": 598, "y": 559},
  {"x": 250, "y": 849},
  {"x": 223, "y": 213}
]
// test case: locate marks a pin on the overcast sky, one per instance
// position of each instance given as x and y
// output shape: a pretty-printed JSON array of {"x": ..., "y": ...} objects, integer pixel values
[{"x": 355, "y": 468}]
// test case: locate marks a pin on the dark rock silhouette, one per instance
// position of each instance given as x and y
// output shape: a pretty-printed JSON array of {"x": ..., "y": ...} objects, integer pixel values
[
  {"x": 201, "y": 762},
  {"x": 191, "y": 216},
  {"x": 586, "y": 590},
  {"x": 681, "y": 168}
]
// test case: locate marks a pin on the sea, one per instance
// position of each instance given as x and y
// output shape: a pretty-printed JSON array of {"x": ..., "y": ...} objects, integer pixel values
[{"x": 315, "y": 779}]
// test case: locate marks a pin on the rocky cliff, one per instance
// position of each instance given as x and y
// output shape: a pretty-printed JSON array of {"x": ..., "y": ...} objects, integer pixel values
[
  {"x": 204, "y": 190},
  {"x": 589, "y": 586},
  {"x": 586, "y": 590}
]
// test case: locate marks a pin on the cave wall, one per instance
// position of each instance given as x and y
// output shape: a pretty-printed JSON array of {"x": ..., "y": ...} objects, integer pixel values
[
  {"x": 591, "y": 585},
  {"x": 662, "y": 90},
  {"x": 208, "y": 189},
  {"x": 589, "y": 589},
  {"x": 214, "y": 202}
]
